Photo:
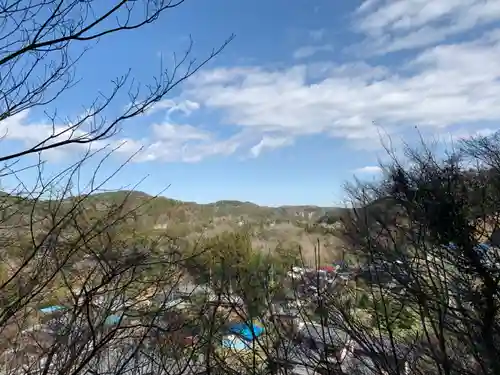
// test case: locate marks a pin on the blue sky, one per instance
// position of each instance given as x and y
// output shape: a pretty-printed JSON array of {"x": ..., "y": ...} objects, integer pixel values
[{"x": 300, "y": 101}]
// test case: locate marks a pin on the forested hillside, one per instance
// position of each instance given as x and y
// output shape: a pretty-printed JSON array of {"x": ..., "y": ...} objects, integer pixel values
[{"x": 268, "y": 227}]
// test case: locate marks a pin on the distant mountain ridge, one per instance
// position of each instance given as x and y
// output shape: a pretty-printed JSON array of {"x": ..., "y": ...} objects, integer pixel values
[
  {"x": 229, "y": 207},
  {"x": 218, "y": 208},
  {"x": 145, "y": 214}
]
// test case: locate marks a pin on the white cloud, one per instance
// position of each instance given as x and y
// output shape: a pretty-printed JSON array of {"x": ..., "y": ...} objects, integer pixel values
[
  {"x": 270, "y": 143},
  {"x": 167, "y": 142},
  {"x": 308, "y": 51},
  {"x": 443, "y": 86},
  {"x": 392, "y": 25},
  {"x": 366, "y": 6},
  {"x": 169, "y": 131},
  {"x": 186, "y": 143},
  {"x": 160, "y": 106},
  {"x": 171, "y": 151},
  {"x": 439, "y": 88},
  {"x": 18, "y": 128},
  {"x": 462, "y": 134},
  {"x": 185, "y": 107},
  {"x": 370, "y": 169},
  {"x": 14, "y": 128}
]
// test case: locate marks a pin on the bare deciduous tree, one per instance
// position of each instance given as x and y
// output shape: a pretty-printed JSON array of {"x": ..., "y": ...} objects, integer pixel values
[
  {"x": 424, "y": 296},
  {"x": 426, "y": 234},
  {"x": 81, "y": 290},
  {"x": 41, "y": 44}
]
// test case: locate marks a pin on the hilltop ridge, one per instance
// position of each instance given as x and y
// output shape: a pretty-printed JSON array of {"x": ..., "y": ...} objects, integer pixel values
[
  {"x": 269, "y": 226},
  {"x": 222, "y": 207}
]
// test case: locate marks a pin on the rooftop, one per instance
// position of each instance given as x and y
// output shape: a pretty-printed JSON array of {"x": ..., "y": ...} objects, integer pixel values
[{"x": 327, "y": 335}]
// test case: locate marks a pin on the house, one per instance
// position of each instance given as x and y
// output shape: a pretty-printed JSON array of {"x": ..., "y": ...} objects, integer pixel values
[
  {"x": 351, "y": 358},
  {"x": 327, "y": 270},
  {"x": 345, "y": 275},
  {"x": 283, "y": 309},
  {"x": 111, "y": 302},
  {"x": 298, "y": 270},
  {"x": 178, "y": 303},
  {"x": 290, "y": 357},
  {"x": 377, "y": 354},
  {"x": 246, "y": 331},
  {"x": 188, "y": 289},
  {"x": 234, "y": 342},
  {"x": 341, "y": 266},
  {"x": 177, "y": 329},
  {"x": 294, "y": 275},
  {"x": 230, "y": 300},
  {"x": 377, "y": 274},
  {"x": 324, "y": 339},
  {"x": 285, "y": 317}
]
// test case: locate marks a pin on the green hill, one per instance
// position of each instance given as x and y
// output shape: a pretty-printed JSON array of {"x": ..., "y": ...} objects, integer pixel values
[{"x": 269, "y": 226}]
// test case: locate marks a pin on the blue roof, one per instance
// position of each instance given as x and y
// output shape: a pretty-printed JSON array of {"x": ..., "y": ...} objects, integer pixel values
[
  {"x": 235, "y": 343},
  {"x": 51, "y": 309},
  {"x": 482, "y": 247},
  {"x": 243, "y": 330},
  {"x": 112, "y": 319}
]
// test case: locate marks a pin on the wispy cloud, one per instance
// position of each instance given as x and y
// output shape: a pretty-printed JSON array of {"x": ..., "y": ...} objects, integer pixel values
[
  {"x": 171, "y": 131},
  {"x": 392, "y": 25},
  {"x": 167, "y": 141},
  {"x": 368, "y": 170},
  {"x": 441, "y": 87},
  {"x": 185, "y": 107},
  {"x": 270, "y": 143},
  {"x": 308, "y": 51}
]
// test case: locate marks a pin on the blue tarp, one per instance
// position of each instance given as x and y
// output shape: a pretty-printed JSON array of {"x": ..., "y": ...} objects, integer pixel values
[
  {"x": 245, "y": 331},
  {"x": 51, "y": 309},
  {"x": 482, "y": 247},
  {"x": 112, "y": 320},
  {"x": 234, "y": 343}
]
